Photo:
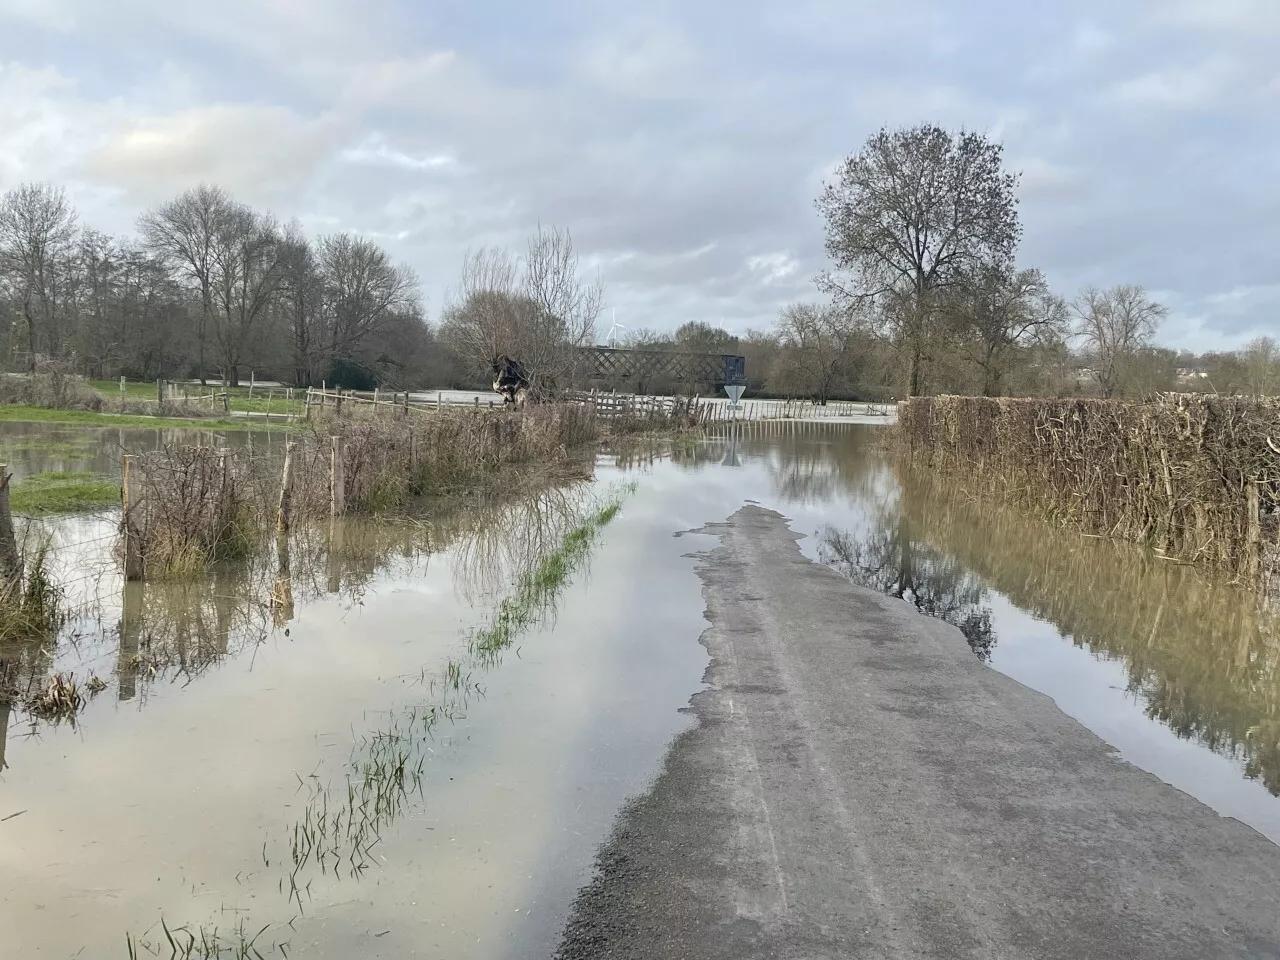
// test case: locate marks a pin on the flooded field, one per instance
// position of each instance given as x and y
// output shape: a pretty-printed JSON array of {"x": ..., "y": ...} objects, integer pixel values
[{"x": 334, "y": 766}]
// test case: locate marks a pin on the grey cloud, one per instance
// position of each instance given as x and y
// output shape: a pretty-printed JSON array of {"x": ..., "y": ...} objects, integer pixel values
[{"x": 1145, "y": 132}]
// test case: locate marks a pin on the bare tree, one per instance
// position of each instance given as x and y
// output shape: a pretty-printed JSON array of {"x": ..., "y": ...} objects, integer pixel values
[
  {"x": 916, "y": 212},
  {"x": 1001, "y": 310},
  {"x": 247, "y": 270},
  {"x": 1116, "y": 326},
  {"x": 566, "y": 307},
  {"x": 815, "y": 353},
  {"x": 185, "y": 231},
  {"x": 301, "y": 304},
  {"x": 1261, "y": 359},
  {"x": 37, "y": 233},
  {"x": 363, "y": 287},
  {"x": 537, "y": 311}
]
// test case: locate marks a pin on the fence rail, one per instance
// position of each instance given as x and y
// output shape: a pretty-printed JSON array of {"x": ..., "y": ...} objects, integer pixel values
[{"x": 610, "y": 404}]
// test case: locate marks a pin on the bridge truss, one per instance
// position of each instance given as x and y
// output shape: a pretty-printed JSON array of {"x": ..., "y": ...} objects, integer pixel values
[{"x": 638, "y": 368}]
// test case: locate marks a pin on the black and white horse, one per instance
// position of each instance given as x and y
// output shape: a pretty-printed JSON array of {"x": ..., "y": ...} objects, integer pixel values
[{"x": 510, "y": 380}]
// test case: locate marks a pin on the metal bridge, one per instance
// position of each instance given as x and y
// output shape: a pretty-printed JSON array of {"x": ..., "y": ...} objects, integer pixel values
[{"x": 640, "y": 367}]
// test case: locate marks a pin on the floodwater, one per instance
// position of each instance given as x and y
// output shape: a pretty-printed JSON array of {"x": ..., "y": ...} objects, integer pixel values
[{"x": 216, "y": 782}]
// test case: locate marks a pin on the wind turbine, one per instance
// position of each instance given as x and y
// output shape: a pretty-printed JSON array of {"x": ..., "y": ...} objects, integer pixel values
[{"x": 613, "y": 330}]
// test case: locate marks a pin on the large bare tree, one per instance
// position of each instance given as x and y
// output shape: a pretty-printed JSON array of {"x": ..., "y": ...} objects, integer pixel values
[
  {"x": 186, "y": 231},
  {"x": 1116, "y": 326},
  {"x": 247, "y": 271},
  {"x": 363, "y": 288},
  {"x": 915, "y": 212},
  {"x": 37, "y": 236}
]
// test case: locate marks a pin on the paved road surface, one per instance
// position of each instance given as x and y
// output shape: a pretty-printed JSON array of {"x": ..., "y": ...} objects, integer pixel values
[{"x": 859, "y": 785}]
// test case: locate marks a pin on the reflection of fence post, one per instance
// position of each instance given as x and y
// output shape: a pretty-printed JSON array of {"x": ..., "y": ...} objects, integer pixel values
[
  {"x": 133, "y": 568},
  {"x": 130, "y": 637},
  {"x": 10, "y": 560},
  {"x": 337, "y": 487}
]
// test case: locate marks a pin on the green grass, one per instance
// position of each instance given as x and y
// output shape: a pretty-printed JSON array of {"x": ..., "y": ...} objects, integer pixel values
[
  {"x": 536, "y": 590},
  {"x": 65, "y": 491},
  {"x": 21, "y": 413},
  {"x": 239, "y": 396}
]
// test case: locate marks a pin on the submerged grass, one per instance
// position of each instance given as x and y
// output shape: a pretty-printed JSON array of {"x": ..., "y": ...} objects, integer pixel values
[
  {"x": 64, "y": 491},
  {"x": 536, "y": 589}
]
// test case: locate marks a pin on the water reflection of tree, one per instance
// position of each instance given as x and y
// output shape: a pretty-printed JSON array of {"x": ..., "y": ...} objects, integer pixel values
[
  {"x": 888, "y": 560},
  {"x": 176, "y": 630},
  {"x": 1202, "y": 655},
  {"x": 499, "y": 543}
]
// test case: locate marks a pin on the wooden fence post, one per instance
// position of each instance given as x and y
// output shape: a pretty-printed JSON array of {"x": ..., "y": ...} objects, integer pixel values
[
  {"x": 10, "y": 559},
  {"x": 160, "y": 391},
  {"x": 286, "y": 490},
  {"x": 439, "y": 400},
  {"x": 133, "y": 567},
  {"x": 337, "y": 485},
  {"x": 122, "y": 394},
  {"x": 1253, "y": 535},
  {"x": 226, "y": 402},
  {"x": 251, "y": 382}
]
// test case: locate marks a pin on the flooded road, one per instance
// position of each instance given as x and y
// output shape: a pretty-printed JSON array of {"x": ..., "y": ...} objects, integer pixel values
[{"x": 230, "y": 726}]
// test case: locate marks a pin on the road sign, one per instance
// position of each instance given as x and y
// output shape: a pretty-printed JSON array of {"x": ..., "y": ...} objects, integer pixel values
[{"x": 734, "y": 390}]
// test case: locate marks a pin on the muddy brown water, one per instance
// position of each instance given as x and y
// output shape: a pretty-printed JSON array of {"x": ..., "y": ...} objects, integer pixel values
[{"x": 229, "y": 726}]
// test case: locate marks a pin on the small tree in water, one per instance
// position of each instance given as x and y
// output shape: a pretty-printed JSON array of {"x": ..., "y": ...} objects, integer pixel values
[{"x": 914, "y": 214}]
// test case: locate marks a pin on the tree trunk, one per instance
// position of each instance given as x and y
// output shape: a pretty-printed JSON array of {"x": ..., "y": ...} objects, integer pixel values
[{"x": 913, "y": 382}]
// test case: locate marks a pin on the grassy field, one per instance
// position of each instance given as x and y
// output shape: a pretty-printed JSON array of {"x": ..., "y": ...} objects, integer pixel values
[
  {"x": 65, "y": 491},
  {"x": 264, "y": 400},
  {"x": 21, "y": 413}
]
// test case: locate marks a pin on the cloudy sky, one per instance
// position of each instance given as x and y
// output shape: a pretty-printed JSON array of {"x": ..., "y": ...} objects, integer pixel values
[{"x": 683, "y": 144}]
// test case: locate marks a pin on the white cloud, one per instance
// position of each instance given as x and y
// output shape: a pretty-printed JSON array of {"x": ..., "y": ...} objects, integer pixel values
[
  {"x": 773, "y": 267},
  {"x": 50, "y": 14},
  {"x": 642, "y": 60},
  {"x": 254, "y": 151},
  {"x": 1182, "y": 88},
  {"x": 376, "y": 151}
]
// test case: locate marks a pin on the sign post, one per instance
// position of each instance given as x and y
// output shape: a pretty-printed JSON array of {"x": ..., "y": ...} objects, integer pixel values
[{"x": 734, "y": 390}]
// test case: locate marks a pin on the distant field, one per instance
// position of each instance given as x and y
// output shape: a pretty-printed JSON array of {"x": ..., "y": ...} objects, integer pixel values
[{"x": 266, "y": 398}]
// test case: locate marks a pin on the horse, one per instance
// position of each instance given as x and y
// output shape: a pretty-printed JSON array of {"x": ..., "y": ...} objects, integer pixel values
[{"x": 510, "y": 380}]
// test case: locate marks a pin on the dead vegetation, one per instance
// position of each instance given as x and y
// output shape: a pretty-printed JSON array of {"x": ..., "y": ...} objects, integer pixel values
[
  {"x": 189, "y": 507},
  {"x": 1197, "y": 478}
]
